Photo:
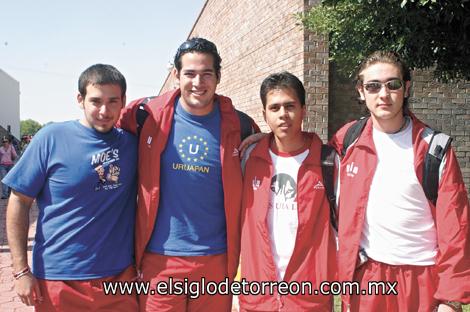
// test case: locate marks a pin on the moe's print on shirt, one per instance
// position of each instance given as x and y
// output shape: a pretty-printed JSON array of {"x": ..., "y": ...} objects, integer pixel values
[{"x": 107, "y": 169}]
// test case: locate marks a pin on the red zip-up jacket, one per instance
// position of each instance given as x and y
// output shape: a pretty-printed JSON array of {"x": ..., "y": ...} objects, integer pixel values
[
  {"x": 153, "y": 140},
  {"x": 314, "y": 256},
  {"x": 451, "y": 212}
]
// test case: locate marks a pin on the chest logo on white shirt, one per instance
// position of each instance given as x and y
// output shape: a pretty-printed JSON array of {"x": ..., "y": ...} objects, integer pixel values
[
  {"x": 351, "y": 170},
  {"x": 193, "y": 149},
  {"x": 284, "y": 186}
]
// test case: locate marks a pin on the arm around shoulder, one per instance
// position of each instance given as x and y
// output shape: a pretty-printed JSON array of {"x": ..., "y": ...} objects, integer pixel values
[{"x": 127, "y": 120}]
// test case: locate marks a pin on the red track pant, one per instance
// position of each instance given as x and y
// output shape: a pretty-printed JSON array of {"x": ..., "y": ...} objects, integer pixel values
[
  {"x": 415, "y": 286},
  {"x": 159, "y": 269},
  {"x": 86, "y": 295}
]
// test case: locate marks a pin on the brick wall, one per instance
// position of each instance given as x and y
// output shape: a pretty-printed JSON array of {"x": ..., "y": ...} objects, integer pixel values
[
  {"x": 443, "y": 106},
  {"x": 343, "y": 102},
  {"x": 256, "y": 38}
]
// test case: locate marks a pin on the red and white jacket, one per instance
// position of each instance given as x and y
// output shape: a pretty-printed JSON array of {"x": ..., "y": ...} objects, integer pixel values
[
  {"x": 153, "y": 140},
  {"x": 451, "y": 212},
  {"x": 314, "y": 255}
]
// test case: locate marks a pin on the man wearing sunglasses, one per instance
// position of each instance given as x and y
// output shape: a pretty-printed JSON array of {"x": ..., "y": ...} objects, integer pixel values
[
  {"x": 388, "y": 230},
  {"x": 190, "y": 183}
]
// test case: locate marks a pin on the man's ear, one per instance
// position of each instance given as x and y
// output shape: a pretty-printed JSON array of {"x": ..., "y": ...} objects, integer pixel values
[
  {"x": 219, "y": 77},
  {"x": 176, "y": 74},
  {"x": 124, "y": 101},
  {"x": 264, "y": 114},
  {"x": 360, "y": 89},
  {"x": 80, "y": 100},
  {"x": 407, "y": 88}
]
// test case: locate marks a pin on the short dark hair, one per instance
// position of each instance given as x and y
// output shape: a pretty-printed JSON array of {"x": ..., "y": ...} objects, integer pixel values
[
  {"x": 101, "y": 74},
  {"x": 388, "y": 57},
  {"x": 199, "y": 45},
  {"x": 282, "y": 80}
]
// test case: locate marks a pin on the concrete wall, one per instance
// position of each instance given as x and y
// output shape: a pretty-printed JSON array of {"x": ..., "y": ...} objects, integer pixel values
[{"x": 9, "y": 103}]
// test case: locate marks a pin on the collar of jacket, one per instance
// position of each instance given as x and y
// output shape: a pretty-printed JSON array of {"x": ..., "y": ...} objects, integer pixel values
[
  {"x": 225, "y": 105},
  {"x": 313, "y": 158},
  {"x": 366, "y": 138}
]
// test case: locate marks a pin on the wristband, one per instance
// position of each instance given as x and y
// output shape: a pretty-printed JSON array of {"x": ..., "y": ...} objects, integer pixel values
[{"x": 21, "y": 273}]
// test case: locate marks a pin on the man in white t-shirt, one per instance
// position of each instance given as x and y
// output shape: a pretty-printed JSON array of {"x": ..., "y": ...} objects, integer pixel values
[
  {"x": 418, "y": 249},
  {"x": 286, "y": 234}
]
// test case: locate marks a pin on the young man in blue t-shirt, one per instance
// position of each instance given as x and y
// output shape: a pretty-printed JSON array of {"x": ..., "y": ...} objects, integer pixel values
[{"x": 83, "y": 177}]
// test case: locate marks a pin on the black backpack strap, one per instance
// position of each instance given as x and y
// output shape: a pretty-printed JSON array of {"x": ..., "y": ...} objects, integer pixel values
[
  {"x": 245, "y": 157},
  {"x": 328, "y": 155},
  {"x": 142, "y": 114},
  {"x": 246, "y": 128},
  {"x": 438, "y": 147},
  {"x": 353, "y": 133}
]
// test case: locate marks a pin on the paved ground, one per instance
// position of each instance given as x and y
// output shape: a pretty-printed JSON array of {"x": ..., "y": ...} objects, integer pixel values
[{"x": 9, "y": 302}]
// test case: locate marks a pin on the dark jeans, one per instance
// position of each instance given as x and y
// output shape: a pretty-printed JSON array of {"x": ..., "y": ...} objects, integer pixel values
[{"x": 4, "y": 169}]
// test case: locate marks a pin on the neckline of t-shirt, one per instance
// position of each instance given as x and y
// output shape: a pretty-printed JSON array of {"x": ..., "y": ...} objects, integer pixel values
[
  {"x": 94, "y": 133},
  {"x": 305, "y": 147},
  {"x": 291, "y": 154},
  {"x": 406, "y": 130},
  {"x": 180, "y": 111}
]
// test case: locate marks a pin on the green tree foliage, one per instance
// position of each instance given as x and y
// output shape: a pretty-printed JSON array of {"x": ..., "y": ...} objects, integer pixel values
[
  {"x": 426, "y": 33},
  {"x": 29, "y": 126}
]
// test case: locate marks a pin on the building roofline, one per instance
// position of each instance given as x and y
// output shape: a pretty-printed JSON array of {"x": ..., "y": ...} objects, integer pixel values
[{"x": 10, "y": 76}]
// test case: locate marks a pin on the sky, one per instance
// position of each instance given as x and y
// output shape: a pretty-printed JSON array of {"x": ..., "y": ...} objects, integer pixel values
[{"x": 46, "y": 45}]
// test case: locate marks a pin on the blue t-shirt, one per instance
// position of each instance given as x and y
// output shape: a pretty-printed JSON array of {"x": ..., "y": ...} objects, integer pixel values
[
  {"x": 85, "y": 186},
  {"x": 191, "y": 215}
]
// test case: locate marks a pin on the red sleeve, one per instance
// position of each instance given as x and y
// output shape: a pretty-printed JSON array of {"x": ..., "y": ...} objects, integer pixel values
[
  {"x": 127, "y": 120},
  {"x": 453, "y": 235}
]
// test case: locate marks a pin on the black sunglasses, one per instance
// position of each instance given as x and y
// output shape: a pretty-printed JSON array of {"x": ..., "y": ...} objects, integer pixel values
[
  {"x": 195, "y": 44},
  {"x": 375, "y": 86}
]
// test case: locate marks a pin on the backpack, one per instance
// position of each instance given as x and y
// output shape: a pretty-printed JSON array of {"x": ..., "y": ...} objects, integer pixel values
[
  {"x": 246, "y": 128},
  {"x": 327, "y": 160},
  {"x": 438, "y": 146}
]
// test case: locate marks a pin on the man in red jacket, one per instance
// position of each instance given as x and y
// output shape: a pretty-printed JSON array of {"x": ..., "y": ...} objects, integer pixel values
[
  {"x": 388, "y": 230},
  {"x": 190, "y": 184},
  {"x": 286, "y": 234}
]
